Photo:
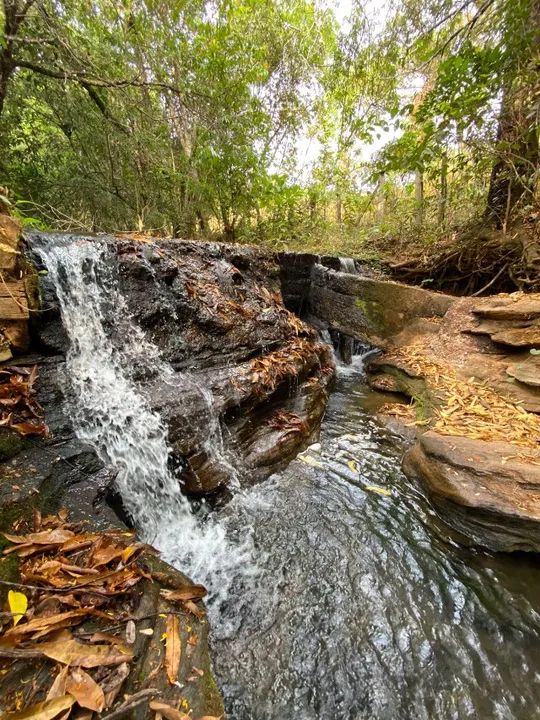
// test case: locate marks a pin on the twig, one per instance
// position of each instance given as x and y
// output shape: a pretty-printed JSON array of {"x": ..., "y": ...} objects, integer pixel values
[
  {"x": 490, "y": 283},
  {"x": 134, "y": 701},
  {"x": 120, "y": 625},
  {"x": 20, "y": 654}
]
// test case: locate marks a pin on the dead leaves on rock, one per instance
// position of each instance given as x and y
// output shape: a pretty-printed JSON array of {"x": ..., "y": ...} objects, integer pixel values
[
  {"x": 74, "y": 585},
  {"x": 19, "y": 409},
  {"x": 269, "y": 371},
  {"x": 470, "y": 408},
  {"x": 288, "y": 422}
]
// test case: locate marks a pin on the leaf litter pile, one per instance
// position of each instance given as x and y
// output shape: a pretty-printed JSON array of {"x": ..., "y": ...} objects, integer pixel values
[
  {"x": 469, "y": 408},
  {"x": 19, "y": 409},
  {"x": 74, "y": 609}
]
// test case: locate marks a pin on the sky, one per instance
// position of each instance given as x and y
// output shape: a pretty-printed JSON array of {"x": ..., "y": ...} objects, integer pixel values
[{"x": 309, "y": 148}]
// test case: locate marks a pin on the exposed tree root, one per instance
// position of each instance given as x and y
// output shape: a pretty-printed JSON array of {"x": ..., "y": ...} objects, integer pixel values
[{"x": 475, "y": 261}]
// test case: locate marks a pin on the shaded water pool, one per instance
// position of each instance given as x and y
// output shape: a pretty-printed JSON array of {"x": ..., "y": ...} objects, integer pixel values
[{"x": 364, "y": 607}]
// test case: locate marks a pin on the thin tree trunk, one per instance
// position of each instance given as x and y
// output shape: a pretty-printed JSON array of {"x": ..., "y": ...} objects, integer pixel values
[
  {"x": 419, "y": 199},
  {"x": 339, "y": 210},
  {"x": 443, "y": 196},
  {"x": 514, "y": 169}
]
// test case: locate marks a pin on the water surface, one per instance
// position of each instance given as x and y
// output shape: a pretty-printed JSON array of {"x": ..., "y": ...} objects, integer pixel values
[{"x": 361, "y": 609}]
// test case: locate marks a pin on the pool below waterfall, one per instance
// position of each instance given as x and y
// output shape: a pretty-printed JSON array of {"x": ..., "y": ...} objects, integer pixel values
[{"x": 363, "y": 606}]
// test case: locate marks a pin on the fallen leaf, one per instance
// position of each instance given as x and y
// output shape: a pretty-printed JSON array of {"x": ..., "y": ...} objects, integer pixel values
[
  {"x": 72, "y": 652},
  {"x": 85, "y": 690},
  {"x": 113, "y": 683},
  {"x": 18, "y": 604},
  {"x": 58, "y": 688},
  {"x": 45, "y": 625},
  {"x": 378, "y": 490},
  {"x": 46, "y": 537},
  {"x": 197, "y": 611},
  {"x": 353, "y": 465},
  {"x": 167, "y": 711},
  {"x": 189, "y": 592},
  {"x": 172, "y": 648},
  {"x": 45, "y": 710}
]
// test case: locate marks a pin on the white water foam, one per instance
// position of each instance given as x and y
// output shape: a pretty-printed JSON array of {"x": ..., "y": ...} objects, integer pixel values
[{"x": 109, "y": 412}]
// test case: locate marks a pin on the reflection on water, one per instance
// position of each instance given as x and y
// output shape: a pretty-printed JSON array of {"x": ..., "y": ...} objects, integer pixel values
[{"x": 360, "y": 609}]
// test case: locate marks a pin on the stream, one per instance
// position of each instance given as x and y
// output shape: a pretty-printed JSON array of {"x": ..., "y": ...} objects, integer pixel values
[
  {"x": 335, "y": 593},
  {"x": 361, "y": 610}
]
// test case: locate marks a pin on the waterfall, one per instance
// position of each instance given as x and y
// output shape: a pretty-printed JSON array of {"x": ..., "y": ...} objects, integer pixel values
[
  {"x": 108, "y": 410},
  {"x": 347, "y": 265}
]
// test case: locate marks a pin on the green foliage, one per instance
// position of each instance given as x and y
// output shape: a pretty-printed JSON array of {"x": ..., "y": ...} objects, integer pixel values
[{"x": 184, "y": 117}]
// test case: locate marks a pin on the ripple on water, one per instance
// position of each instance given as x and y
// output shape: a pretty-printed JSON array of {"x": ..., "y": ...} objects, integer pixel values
[{"x": 359, "y": 609}]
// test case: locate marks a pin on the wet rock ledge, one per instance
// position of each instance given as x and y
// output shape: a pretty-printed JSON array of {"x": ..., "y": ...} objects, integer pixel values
[{"x": 470, "y": 369}]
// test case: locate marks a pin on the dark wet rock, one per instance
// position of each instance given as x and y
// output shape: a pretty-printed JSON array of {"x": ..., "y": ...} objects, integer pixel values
[
  {"x": 487, "y": 491},
  {"x": 217, "y": 316},
  {"x": 53, "y": 472},
  {"x": 361, "y": 306}
]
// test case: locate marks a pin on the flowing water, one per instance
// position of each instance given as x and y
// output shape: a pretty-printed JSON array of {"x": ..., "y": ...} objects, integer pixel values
[
  {"x": 361, "y": 609},
  {"x": 334, "y": 595},
  {"x": 108, "y": 352}
]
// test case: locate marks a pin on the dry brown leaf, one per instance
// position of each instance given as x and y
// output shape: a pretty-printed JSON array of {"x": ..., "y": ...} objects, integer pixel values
[
  {"x": 45, "y": 710},
  {"x": 58, "y": 688},
  {"x": 113, "y": 683},
  {"x": 45, "y": 625},
  {"x": 112, "y": 639},
  {"x": 189, "y": 592},
  {"x": 77, "y": 654},
  {"x": 194, "y": 609},
  {"x": 85, "y": 690},
  {"x": 46, "y": 537},
  {"x": 172, "y": 648},
  {"x": 168, "y": 711}
]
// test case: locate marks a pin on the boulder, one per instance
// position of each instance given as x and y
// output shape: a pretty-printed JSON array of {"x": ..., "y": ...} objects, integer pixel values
[
  {"x": 488, "y": 491},
  {"x": 367, "y": 308}
]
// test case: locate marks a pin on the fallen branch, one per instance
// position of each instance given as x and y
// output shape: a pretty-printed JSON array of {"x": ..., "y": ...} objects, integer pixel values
[{"x": 134, "y": 701}]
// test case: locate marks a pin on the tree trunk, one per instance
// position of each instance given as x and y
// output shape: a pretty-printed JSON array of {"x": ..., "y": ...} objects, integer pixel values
[
  {"x": 516, "y": 165},
  {"x": 15, "y": 13},
  {"x": 419, "y": 199},
  {"x": 443, "y": 196},
  {"x": 514, "y": 170},
  {"x": 339, "y": 210}
]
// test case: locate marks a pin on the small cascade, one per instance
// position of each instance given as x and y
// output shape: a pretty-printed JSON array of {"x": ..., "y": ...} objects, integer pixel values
[
  {"x": 108, "y": 351},
  {"x": 347, "y": 265}
]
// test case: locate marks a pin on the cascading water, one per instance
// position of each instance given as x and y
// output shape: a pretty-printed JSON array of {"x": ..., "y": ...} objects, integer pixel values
[
  {"x": 109, "y": 411},
  {"x": 347, "y": 265}
]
